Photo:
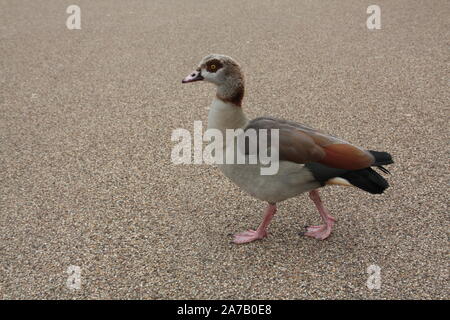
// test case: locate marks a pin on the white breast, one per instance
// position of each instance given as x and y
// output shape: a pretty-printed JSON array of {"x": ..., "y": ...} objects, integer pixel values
[{"x": 224, "y": 116}]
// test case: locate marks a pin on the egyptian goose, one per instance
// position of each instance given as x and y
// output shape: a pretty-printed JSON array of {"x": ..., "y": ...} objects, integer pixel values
[{"x": 308, "y": 158}]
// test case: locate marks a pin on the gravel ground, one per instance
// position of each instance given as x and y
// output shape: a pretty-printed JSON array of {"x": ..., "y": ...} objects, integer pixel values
[{"x": 86, "y": 179}]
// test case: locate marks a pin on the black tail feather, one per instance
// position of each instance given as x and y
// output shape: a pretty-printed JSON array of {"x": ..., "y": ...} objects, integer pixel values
[
  {"x": 381, "y": 158},
  {"x": 383, "y": 169},
  {"x": 367, "y": 179}
]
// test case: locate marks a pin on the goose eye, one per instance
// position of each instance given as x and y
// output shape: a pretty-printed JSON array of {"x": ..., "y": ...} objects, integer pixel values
[{"x": 213, "y": 65}]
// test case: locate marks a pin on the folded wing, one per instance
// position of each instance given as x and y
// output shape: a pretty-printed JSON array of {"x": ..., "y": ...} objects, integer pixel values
[{"x": 301, "y": 144}]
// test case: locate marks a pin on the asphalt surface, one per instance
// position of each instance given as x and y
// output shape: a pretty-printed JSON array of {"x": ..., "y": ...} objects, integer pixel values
[{"x": 86, "y": 179}]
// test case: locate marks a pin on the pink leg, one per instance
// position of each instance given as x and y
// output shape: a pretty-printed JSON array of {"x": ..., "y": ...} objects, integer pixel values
[
  {"x": 261, "y": 232},
  {"x": 322, "y": 231}
]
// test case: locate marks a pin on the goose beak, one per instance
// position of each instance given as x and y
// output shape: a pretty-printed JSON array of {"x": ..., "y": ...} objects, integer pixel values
[{"x": 194, "y": 76}]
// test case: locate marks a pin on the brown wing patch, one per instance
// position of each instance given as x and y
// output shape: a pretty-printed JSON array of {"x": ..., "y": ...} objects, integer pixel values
[
  {"x": 302, "y": 144},
  {"x": 298, "y": 147},
  {"x": 346, "y": 156}
]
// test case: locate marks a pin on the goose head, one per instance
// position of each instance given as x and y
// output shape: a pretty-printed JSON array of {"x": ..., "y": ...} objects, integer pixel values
[{"x": 222, "y": 71}]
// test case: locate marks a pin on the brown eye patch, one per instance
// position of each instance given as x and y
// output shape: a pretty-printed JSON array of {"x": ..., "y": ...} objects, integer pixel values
[{"x": 213, "y": 65}]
